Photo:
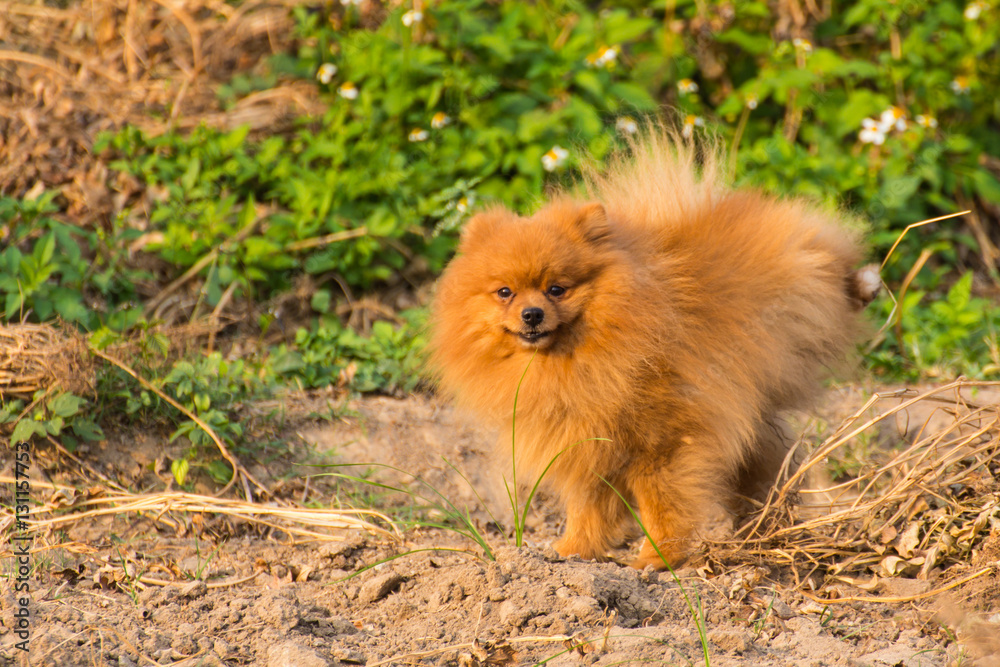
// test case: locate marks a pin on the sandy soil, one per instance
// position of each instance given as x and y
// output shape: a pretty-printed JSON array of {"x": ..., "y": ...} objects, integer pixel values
[{"x": 256, "y": 598}]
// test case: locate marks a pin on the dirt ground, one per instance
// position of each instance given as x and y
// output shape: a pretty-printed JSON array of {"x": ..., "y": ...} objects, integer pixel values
[{"x": 258, "y": 598}]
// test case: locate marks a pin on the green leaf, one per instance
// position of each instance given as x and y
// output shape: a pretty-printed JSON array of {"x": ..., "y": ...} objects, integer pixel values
[
  {"x": 320, "y": 301},
  {"x": 633, "y": 95},
  {"x": 202, "y": 402},
  {"x": 220, "y": 471},
  {"x": 986, "y": 185},
  {"x": 751, "y": 43},
  {"x": 44, "y": 250},
  {"x": 25, "y": 429},
  {"x": 54, "y": 426},
  {"x": 87, "y": 429},
  {"x": 66, "y": 405},
  {"x": 179, "y": 469}
]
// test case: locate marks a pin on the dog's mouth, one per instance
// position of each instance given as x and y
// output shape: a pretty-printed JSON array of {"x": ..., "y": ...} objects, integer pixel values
[{"x": 533, "y": 337}]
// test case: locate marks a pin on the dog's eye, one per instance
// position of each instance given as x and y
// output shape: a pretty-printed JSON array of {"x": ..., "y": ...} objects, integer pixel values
[
  {"x": 556, "y": 290},
  {"x": 504, "y": 293}
]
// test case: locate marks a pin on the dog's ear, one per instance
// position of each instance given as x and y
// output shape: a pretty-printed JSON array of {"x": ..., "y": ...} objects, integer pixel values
[
  {"x": 592, "y": 222},
  {"x": 482, "y": 226}
]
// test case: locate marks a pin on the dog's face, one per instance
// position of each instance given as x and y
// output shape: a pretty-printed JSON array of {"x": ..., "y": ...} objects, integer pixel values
[
  {"x": 529, "y": 281},
  {"x": 533, "y": 308}
]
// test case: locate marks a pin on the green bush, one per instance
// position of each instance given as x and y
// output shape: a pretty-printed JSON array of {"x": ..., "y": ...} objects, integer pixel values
[
  {"x": 52, "y": 269},
  {"x": 389, "y": 360}
]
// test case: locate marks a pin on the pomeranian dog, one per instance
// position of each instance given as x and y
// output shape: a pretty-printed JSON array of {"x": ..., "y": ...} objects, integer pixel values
[{"x": 668, "y": 320}]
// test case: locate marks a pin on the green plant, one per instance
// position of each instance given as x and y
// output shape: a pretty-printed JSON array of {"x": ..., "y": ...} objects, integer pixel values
[
  {"x": 389, "y": 360},
  {"x": 62, "y": 415},
  {"x": 419, "y": 127},
  {"x": 213, "y": 389},
  {"x": 936, "y": 338},
  {"x": 45, "y": 271}
]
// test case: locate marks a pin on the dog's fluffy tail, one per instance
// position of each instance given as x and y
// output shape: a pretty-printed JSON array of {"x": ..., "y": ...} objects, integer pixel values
[{"x": 864, "y": 285}]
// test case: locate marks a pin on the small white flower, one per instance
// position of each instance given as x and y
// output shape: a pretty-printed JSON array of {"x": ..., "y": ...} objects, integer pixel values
[
  {"x": 555, "y": 158},
  {"x": 892, "y": 118},
  {"x": 412, "y": 16},
  {"x": 604, "y": 57},
  {"x": 691, "y": 122},
  {"x": 973, "y": 10},
  {"x": 417, "y": 134},
  {"x": 803, "y": 44},
  {"x": 326, "y": 73},
  {"x": 872, "y": 132},
  {"x": 687, "y": 86},
  {"x": 752, "y": 101},
  {"x": 627, "y": 125},
  {"x": 960, "y": 85},
  {"x": 463, "y": 204},
  {"x": 929, "y": 122},
  {"x": 440, "y": 119},
  {"x": 348, "y": 91}
]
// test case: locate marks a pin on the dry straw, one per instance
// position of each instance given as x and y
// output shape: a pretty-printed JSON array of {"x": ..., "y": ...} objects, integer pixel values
[
  {"x": 64, "y": 509},
  {"x": 909, "y": 511},
  {"x": 39, "y": 356}
]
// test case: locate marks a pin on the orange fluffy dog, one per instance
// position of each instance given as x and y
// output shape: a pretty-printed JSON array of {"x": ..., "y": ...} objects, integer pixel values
[{"x": 666, "y": 314}]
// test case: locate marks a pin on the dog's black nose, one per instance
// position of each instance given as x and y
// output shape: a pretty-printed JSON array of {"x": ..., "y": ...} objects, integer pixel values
[{"x": 532, "y": 316}]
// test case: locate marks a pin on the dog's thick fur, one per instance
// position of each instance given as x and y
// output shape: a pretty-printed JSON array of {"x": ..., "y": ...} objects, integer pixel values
[{"x": 664, "y": 312}]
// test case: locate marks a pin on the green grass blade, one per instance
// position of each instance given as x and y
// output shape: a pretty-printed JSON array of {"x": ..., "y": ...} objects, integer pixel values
[{"x": 697, "y": 613}]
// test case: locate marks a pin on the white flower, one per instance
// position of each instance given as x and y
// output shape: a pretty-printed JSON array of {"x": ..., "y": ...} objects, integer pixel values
[
  {"x": 973, "y": 10},
  {"x": 417, "y": 134},
  {"x": 627, "y": 125},
  {"x": 348, "y": 91},
  {"x": 752, "y": 101},
  {"x": 605, "y": 57},
  {"x": 930, "y": 122},
  {"x": 463, "y": 204},
  {"x": 803, "y": 44},
  {"x": 440, "y": 119},
  {"x": 555, "y": 158},
  {"x": 892, "y": 118},
  {"x": 691, "y": 122},
  {"x": 872, "y": 132},
  {"x": 326, "y": 73},
  {"x": 960, "y": 84},
  {"x": 687, "y": 86},
  {"x": 412, "y": 16}
]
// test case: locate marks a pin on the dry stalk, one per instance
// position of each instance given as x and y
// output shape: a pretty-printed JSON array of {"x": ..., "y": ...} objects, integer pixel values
[{"x": 296, "y": 521}]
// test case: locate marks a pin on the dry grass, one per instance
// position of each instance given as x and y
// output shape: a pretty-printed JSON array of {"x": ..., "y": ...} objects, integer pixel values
[
  {"x": 39, "y": 356},
  {"x": 66, "y": 507},
  {"x": 67, "y": 74},
  {"x": 912, "y": 511}
]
